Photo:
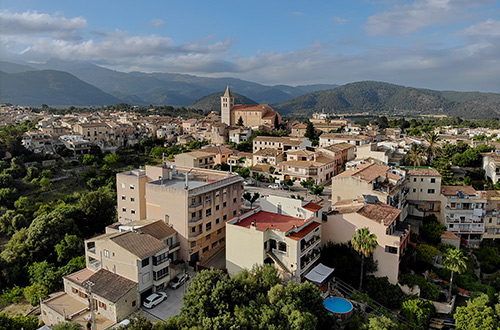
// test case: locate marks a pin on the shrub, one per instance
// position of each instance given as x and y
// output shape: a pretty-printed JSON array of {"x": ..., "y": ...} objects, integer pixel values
[
  {"x": 383, "y": 292},
  {"x": 418, "y": 312}
]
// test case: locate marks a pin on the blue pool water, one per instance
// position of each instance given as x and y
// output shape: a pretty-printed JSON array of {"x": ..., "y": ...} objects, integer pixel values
[{"x": 338, "y": 305}]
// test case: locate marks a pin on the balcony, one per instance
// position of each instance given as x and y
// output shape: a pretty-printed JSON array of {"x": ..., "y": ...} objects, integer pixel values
[
  {"x": 195, "y": 206},
  {"x": 197, "y": 218},
  {"x": 175, "y": 246},
  {"x": 94, "y": 263},
  {"x": 194, "y": 235},
  {"x": 306, "y": 246},
  {"x": 308, "y": 260}
]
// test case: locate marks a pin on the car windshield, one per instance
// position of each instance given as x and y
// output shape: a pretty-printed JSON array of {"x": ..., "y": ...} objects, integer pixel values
[
  {"x": 175, "y": 280},
  {"x": 147, "y": 301}
]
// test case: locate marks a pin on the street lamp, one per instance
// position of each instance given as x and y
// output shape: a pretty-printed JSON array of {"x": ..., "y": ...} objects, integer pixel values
[{"x": 88, "y": 285}]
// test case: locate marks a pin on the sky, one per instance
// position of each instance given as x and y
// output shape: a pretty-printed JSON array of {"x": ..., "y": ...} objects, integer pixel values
[{"x": 435, "y": 44}]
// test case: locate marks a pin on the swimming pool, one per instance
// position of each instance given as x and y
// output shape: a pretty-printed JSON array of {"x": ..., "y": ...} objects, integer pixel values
[{"x": 340, "y": 306}]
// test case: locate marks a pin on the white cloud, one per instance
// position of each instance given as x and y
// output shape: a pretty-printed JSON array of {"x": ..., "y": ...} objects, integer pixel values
[
  {"x": 409, "y": 18},
  {"x": 339, "y": 20},
  {"x": 157, "y": 22},
  {"x": 489, "y": 27},
  {"x": 34, "y": 23}
]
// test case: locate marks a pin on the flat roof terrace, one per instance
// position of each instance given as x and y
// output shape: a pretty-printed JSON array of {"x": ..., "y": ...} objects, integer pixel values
[{"x": 264, "y": 220}]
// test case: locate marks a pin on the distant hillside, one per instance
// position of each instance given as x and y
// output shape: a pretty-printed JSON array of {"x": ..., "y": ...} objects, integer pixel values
[
  {"x": 383, "y": 98},
  {"x": 9, "y": 67},
  {"x": 54, "y": 88},
  {"x": 212, "y": 102}
]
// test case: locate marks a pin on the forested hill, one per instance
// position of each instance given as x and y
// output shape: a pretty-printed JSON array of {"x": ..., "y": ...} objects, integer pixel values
[
  {"x": 55, "y": 88},
  {"x": 383, "y": 98},
  {"x": 212, "y": 101}
]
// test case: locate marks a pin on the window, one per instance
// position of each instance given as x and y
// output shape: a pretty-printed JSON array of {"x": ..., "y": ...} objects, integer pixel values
[
  {"x": 124, "y": 209},
  {"x": 217, "y": 193},
  {"x": 433, "y": 180},
  {"x": 145, "y": 278},
  {"x": 224, "y": 191},
  {"x": 208, "y": 198},
  {"x": 145, "y": 262},
  {"x": 391, "y": 249},
  {"x": 224, "y": 204},
  {"x": 193, "y": 215},
  {"x": 134, "y": 303},
  {"x": 224, "y": 218},
  {"x": 414, "y": 179},
  {"x": 132, "y": 187},
  {"x": 102, "y": 305},
  {"x": 282, "y": 246},
  {"x": 123, "y": 185},
  {"x": 193, "y": 229},
  {"x": 132, "y": 199},
  {"x": 421, "y": 179},
  {"x": 157, "y": 260},
  {"x": 74, "y": 290},
  {"x": 217, "y": 221},
  {"x": 193, "y": 244},
  {"x": 124, "y": 198},
  {"x": 414, "y": 190},
  {"x": 234, "y": 213},
  {"x": 234, "y": 200},
  {"x": 430, "y": 191},
  {"x": 160, "y": 274},
  {"x": 214, "y": 244},
  {"x": 217, "y": 207},
  {"x": 431, "y": 206},
  {"x": 132, "y": 211},
  {"x": 205, "y": 249},
  {"x": 219, "y": 231},
  {"x": 106, "y": 253},
  {"x": 208, "y": 226}
]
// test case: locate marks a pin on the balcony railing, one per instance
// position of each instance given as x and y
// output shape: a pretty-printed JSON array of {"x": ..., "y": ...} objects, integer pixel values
[
  {"x": 193, "y": 206},
  {"x": 307, "y": 245},
  {"x": 175, "y": 245},
  {"x": 198, "y": 218}
]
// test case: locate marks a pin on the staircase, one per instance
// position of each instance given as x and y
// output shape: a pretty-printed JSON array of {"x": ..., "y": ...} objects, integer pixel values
[{"x": 279, "y": 262}]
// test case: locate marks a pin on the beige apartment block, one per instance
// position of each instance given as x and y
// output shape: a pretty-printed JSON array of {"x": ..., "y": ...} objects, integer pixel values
[
  {"x": 317, "y": 167},
  {"x": 197, "y": 158},
  {"x": 388, "y": 184},
  {"x": 114, "y": 299},
  {"x": 463, "y": 211},
  {"x": 491, "y": 166},
  {"x": 195, "y": 202},
  {"x": 281, "y": 231},
  {"x": 424, "y": 191},
  {"x": 267, "y": 156},
  {"x": 283, "y": 144},
  {"x": 383, "y": 220},
  {"x": 327, "y": 139},
  {"x": 92, "y": 131},
  {"x": 492, "y": 218},
  {"x": 135, "y": 255}
]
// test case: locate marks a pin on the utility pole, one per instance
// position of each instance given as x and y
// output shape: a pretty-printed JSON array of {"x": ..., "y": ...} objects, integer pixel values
[{"x": 88, "y": 285}]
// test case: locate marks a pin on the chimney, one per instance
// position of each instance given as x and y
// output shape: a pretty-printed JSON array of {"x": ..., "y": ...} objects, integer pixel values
[{"x": 186, "y": 183}]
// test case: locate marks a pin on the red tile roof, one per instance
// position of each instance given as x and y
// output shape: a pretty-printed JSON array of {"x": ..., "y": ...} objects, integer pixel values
[
  {"x": 453, "y": 190},
  {"x": 251, "y": 107},
  {"x": 313, "y": 207},
  {"x": 267, "y": 220},
  {"x": 306, "y": 230}
]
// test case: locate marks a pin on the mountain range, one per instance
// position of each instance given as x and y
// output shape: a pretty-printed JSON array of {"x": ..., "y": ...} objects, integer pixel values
[{"x": 60, "y": 83}]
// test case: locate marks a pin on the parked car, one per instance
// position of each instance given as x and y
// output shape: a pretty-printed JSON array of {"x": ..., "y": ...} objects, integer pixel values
[
  {"x": 178, "y": 281},
  {"x": 154, "y": 299},
  {"x": 249, "y": 182},
  {"x": 274, "y": 186}
]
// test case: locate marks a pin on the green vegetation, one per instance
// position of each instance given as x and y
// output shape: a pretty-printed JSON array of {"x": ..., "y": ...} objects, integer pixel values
[
  {"x": 479, "y": 314},
  {"x": 364, "y": 243},
  {"x": 418, "y": 312},
  {"x": 455, "y": 261}
]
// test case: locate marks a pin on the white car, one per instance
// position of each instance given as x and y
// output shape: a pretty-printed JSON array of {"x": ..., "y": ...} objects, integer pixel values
[
  {"x": 274, "y": 186},
  {"x": 154, "y": 299},
  {"x": 178, "y": 281}
]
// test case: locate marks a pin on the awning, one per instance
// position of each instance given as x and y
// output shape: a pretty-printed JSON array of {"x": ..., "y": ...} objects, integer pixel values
[{"x": 319, "y": 274}]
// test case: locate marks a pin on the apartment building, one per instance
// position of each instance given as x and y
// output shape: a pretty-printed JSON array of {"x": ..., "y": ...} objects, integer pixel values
[
  {"x": 281, "y": 231},
  {"x": 195, "y": 202},
  {"x": 197, "y": 158},
  {"x": 341, "y": 152},
  {"x": 327, "y": 139},
  {"x": 383, "y": 220},
  {"x": 114, "y": 299},
  {"x": 222, "y": 152},
  {"x": 283, "y": 144},
  {"x": 491, "y": 166},
  {"x": 133, "y": 254},
  {"x": 303, "y": 165},
  {"x": 92, "y": 131},
  {"x": 424, "y": 191},
  {"x": 267, "y": 156},
  {"x": 388, "y": 184},
  {"x": 492, "y": 217},
  {"x": 462, "y": 212}
]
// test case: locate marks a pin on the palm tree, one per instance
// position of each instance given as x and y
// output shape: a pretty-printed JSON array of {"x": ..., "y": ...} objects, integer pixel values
[
  {"x": 455, "y": 261},
  {"x": 365, "y": 243},
  {"x": 416, "y": 155},
  {"x": 431, "y": 138}
]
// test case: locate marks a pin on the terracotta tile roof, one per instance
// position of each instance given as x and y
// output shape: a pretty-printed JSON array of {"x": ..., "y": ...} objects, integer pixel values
[
  {"x": 369, "y": 172},
  {"x": 267, "y": 220},
  {"x": 80, "y": 276},
  {"x": 251, "y": 107},
  {"x": 280, "y": 139},
  {"x": 493, "y": 194},
  {"x": 422, "y": 171},
  {"x": 111, "y": 286},
  {"x": 448, "y": 235},
  {"x": 376, "y": 212},
  {"x": 313, "y": 207},
  {"x": 158, "y": 229},
  {"x": 141, "y": 245},
  {"x": 344, "y": 136},
  {"x": 198, "y": 153},
  {"x": 453, "y": 190},
  {"x": 301, "y": 152},
  {"x": 297, "y": 236},
  {"x": 222, "y": 149}
]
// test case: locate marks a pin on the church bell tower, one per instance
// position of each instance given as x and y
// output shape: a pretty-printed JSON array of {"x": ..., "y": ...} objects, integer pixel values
[{"x": 226, "y": 104}]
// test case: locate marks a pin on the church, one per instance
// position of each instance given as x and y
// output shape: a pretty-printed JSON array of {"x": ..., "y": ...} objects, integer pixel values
[{"x": 253, "y": 115}]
